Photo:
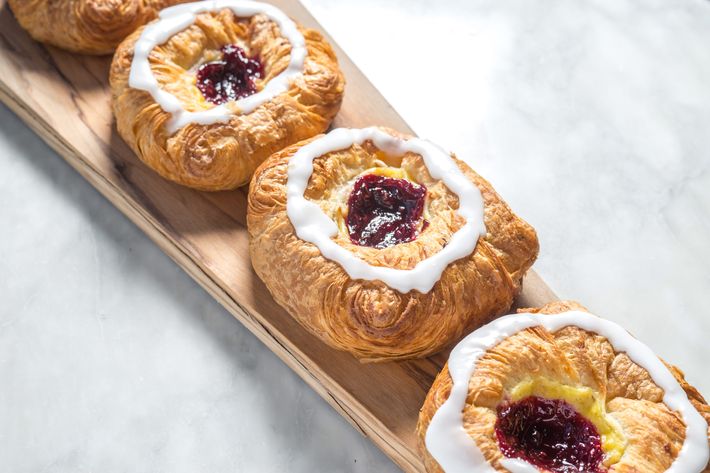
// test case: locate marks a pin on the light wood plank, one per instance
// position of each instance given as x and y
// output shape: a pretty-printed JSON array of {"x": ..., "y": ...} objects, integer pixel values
[{"x": 65, "y": 99}]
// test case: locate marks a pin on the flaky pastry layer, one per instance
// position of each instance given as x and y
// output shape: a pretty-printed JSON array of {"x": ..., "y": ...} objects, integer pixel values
[
  {"x": 570, "y": 356},
  {"x": 367, "y": 318},
  {"x": 224, "y": 155},
  {"x": 85, "y": 26}
]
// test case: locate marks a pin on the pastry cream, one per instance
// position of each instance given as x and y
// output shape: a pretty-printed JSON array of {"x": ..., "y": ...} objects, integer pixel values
[{"x": 586, "y": 402}]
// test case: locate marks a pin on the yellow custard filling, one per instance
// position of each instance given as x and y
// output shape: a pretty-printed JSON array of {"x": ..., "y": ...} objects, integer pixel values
[
  {"x": 397, "y": 173},
  {"x": 587, "y": 403}
]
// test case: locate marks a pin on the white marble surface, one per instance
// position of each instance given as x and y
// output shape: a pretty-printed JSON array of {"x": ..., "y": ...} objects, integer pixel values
[{"x": 592, "y": 118}]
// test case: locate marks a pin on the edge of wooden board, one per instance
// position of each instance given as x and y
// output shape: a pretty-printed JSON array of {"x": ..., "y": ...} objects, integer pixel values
[{"x": 272, "y": 338}]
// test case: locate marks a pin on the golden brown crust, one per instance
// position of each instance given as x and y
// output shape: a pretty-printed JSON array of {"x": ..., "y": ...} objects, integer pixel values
[
  {"x": 654, "y": 433},
  {"x": 367, "y": 318},
  {"x": 85, "y": 26},
  {"x": 224, "y": 155}
]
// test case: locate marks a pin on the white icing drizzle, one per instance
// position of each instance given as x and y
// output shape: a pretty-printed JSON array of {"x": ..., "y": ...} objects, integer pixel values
[
  {"x": 456, "y": 451},
  {"x": 177, "y": 18},
  {"x": 314, "y": 226}
]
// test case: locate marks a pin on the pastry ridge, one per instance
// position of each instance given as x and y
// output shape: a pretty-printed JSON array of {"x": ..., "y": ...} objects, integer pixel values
[
  {"x": 223, "y": 156},
  {"x": 654, "y": 433},
  {"x": 85, "y": 26},
  {"x": 367, "y": 318}
]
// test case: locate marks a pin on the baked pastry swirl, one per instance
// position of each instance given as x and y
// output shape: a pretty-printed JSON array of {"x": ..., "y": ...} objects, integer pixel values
[
  {"x": 382, "y": 244},
  {"x": 557, "y": 389},
  {"x": 85, "y": 26},
  {"x": 204, "y": 95}
]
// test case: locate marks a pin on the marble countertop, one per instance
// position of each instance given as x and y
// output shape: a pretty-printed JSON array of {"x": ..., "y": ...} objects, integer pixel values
[{"x": 591, "y": 118}]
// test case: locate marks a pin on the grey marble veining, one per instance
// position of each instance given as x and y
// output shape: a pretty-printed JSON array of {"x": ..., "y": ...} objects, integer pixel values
[{"x": 591, "y": 118}]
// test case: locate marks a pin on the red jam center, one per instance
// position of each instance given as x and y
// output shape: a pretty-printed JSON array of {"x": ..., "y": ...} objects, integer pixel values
[
  {"x": 384, "y": 211},
  {"x": 549, "y": 434},
  {"x": 231, "y": 78}
]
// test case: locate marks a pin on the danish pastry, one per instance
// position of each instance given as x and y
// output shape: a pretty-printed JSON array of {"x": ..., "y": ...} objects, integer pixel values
[
  {"x": 561, "y": 390},
  {"x": 384, "y": 245},
  {"x": 207, "y": 92},
  {"x": 85, "y": 26}
]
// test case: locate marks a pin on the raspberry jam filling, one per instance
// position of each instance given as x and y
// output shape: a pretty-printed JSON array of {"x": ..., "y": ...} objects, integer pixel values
[
  {"x": 549, "y": 434},
  {"x": 384, "y": 211},
  {"x": 231, "y": 78}
]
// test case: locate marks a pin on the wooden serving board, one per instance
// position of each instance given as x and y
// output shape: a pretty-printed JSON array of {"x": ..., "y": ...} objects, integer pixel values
[{"x": 65, "y": 98}]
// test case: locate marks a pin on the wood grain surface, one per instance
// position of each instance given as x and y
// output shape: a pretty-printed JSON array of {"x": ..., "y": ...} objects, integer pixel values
[{"x": 65, "y": 99}]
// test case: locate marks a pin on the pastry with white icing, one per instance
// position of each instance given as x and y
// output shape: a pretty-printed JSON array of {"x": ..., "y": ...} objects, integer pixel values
[
  {"x": 559, "y": 390},
  {"x": 209, "y": 90},
  {"x": 382, "y": 244}
]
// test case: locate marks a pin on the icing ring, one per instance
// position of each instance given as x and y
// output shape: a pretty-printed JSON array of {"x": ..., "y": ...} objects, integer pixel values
[
  {"x": 312, "y": 225},
  {"x": 177, "y": 18}
]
